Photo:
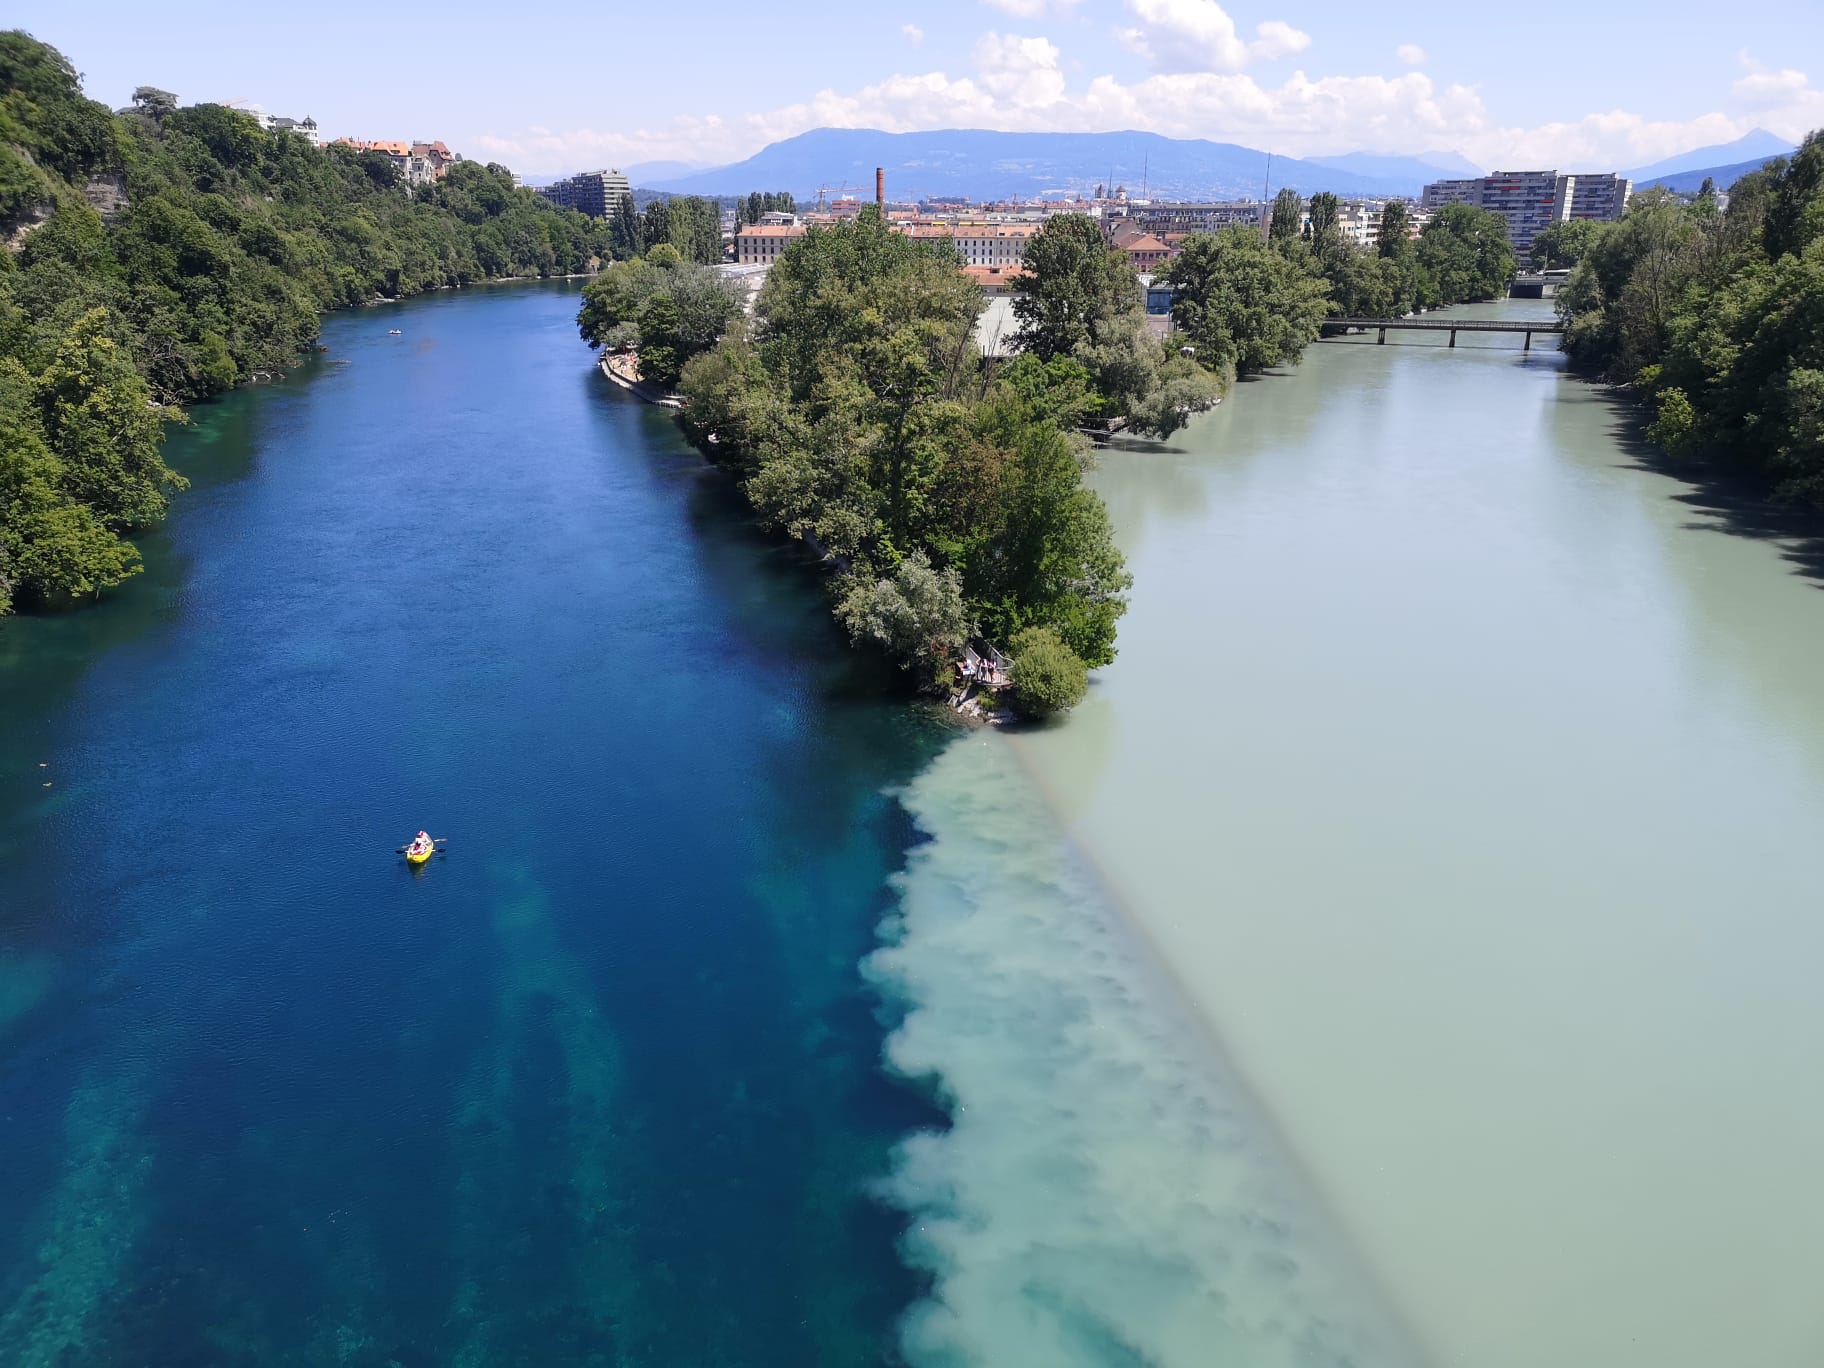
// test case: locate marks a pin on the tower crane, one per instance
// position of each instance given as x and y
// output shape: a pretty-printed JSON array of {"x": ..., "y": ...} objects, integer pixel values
[{"x": 824, "y": 190}]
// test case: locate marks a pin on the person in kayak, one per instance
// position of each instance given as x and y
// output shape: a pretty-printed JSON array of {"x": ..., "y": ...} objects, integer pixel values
[{"x": 421, "y": 843}]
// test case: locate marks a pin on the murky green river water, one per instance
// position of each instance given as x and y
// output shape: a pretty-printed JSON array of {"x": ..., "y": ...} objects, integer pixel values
[{"x": 1467, "y": 779}]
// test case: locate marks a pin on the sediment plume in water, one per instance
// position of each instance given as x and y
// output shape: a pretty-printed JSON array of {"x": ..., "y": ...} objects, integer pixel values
[{"x": 1105, "y": 1194}]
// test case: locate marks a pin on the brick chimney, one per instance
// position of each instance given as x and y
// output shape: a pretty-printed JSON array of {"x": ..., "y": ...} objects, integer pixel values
[{"x": 880, "y": 186}]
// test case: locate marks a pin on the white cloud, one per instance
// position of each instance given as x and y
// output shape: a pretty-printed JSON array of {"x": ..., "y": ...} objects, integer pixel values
[
  {"x": 1022, "y": 71},
  {"x": 1278, "y": 39},
  {"x": 913, "y": 33},
  {"x": 1410, "y": 54},
  {"x": 1021, "y": 83},
  {"x": 1032, "y": 9},
  {"x": 1199, "y": 35}
]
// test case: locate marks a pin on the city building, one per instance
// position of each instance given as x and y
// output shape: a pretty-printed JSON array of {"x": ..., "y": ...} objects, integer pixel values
[
  {"x": 306, "y": 126},
  {"x": 418, "y": 163},
  {"x": 1145, "y": 251},
  {"x": 1190, "y": 217},
  {"x": 1534, "y": 200},
  {"x": 761, "y": 244},
  {"x": 598, "y": 194},
  {"x": 1600, "y": 197}
]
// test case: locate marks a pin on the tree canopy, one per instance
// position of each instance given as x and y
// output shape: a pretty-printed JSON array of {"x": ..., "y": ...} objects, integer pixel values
[
  {"x": 1717, "y": 320},
  {"x": 621, "y": 309},
  {"x": 943, "y": 490},
  {"x": 1243, "y": 302},
  {"x": 1078, "y": 301}
]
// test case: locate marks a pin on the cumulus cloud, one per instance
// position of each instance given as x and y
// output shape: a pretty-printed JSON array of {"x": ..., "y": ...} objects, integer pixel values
[
  {"x": 1022, "y": 71},
  {"x": 913, "y": 33},
  {"x": 1199, "y": 35},
  {"x": 1022, "y": 83},
  {"x": 1410, "y": 54},
  {"x": 1278, "y": 39}
]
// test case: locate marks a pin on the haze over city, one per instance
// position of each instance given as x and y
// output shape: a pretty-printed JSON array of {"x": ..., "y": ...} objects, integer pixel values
[{"x": 554, "y": 88}]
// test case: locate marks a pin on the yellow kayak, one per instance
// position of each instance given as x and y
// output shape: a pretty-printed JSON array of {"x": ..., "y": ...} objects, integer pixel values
[{"x": 418, "y": 857}]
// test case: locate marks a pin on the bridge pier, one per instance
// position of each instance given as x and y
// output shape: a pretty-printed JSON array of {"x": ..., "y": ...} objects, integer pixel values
[
  {"x": 1529, "y": 343},
  {"x": 1383, "y": 338},
  {"x": 1453, "y": 337}
]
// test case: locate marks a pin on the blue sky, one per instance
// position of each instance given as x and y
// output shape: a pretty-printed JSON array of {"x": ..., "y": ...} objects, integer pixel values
[{"x": 550, "y": 88}]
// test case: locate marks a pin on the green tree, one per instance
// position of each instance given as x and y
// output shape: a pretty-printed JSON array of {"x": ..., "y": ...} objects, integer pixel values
[
  {"x": 1073, "y": 288},
  {"x": 1465, "y": 251},
  {"x": 916, "y": 614},
  {"x": 1243, "y": 303},
  {"x": 1048, "y": 677},
  {"x": 1560, "y": 246},
  {"x": 1326, "y": 213},
  {"x": 661, "y": 356},
  {"x": 862, "y": 419},
  {"x": 1288, "y": 221},
  {"x": 99, "y": 421},
  {"x": 1395, "y": 237}
]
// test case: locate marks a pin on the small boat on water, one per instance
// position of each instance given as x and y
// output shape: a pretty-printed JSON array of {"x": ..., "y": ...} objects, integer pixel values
[
  {"x": 420, "y": 849},
  {"x": 392, "y": 332}
]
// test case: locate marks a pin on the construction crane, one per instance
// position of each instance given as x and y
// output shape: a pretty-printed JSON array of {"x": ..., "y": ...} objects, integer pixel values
[{"x": 824, "y": 190}]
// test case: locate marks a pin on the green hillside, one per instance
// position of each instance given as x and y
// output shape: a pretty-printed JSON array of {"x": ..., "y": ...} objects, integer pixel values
[{"x": 161, "y": 255}]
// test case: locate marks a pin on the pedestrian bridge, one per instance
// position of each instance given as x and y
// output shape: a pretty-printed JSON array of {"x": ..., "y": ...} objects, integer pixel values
[{"x": 1337, "y": 327}]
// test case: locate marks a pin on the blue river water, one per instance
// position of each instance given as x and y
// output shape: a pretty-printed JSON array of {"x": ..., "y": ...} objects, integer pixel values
[{"x": 601, "y": 1085}]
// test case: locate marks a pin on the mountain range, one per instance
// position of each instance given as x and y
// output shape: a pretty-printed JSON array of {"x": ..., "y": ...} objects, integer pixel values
[
  {"x": 980, "y": 164},
  {"x": 1753, "y": 148},
  {"x": 983, "y": 164}
]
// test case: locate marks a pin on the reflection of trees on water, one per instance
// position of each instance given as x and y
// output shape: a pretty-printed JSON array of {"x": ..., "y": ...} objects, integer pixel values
[{"x": 1756, "y": 621}]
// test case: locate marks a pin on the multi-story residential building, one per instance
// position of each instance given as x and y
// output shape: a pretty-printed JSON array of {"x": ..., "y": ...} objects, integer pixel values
[
  {"x": 761, "y": 244},
  {"x": 1534, "y": 200},
  {"x": 598, "y": 194},
  {"x": 1601, "y": 197}
]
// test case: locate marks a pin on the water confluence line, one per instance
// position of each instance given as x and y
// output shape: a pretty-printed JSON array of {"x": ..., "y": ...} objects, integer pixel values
[{"x": 1225, "y": 1066}]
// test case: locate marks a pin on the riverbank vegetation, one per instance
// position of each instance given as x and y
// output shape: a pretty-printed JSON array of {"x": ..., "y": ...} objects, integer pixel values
[
  {"x": 668, "y": 309},
  {"x": 944, "y": 489},
  {"x": 1081, "y": 315},
  {"x": 1716, "y": 319},
  {"x": 1248, "y": 305},
  {"x": 161, "y": 255}
]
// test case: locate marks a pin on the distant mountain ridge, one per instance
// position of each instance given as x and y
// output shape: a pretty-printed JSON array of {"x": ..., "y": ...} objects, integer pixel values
[
  {"x": 981, "y": 164},
  {"x": 1753, "y": 147},
  {"x": 985, "y": 164},
  {"x": 1417, "y": 170},
  {"x": 1689, "y": 182}
]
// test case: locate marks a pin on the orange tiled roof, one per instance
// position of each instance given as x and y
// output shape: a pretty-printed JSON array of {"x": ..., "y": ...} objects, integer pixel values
[{"x": 988, "y": 276}]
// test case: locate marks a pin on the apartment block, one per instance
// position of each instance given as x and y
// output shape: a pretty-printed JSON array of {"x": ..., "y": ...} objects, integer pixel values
[
  {"x": 598, "y": 194},
  {"x": 1534, "y": 200}
]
